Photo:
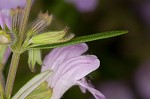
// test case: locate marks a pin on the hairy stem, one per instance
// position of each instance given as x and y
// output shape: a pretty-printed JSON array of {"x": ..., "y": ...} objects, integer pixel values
[
  {"x": 12, "y": 74},
  {"x": 1, "y": 85},
  {"x": 24, "y": 21},
  {"x": 16, "y": 53},
  {"x": 1, "y": 91}
]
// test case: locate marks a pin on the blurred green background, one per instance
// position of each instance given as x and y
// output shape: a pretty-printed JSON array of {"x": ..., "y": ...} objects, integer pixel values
[{"x": 120, "y": 56}]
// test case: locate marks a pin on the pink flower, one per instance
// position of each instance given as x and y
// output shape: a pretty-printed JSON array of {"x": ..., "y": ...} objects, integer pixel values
[
  {"x": 142, "y": 79},
  {"x": 84, "y": 5},
  {"x": 5, "y": 18},
  {"x": 116, "y": 90},
  {"x": 143, "y": 10},
  {"x": 69, "y": 68},
  {"x": 5, "y": 6}
]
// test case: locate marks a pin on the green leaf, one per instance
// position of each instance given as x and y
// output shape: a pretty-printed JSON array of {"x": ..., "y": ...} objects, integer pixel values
[
  {"x": 32, "y": 85},
  {"x": 82, "y": 39}
]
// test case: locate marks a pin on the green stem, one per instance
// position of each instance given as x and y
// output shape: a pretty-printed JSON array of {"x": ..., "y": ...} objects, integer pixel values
[
  {"x": 17, "y": 51},
  {"x": 12, "y": 74},
  {"x": 1, "y": 91},
  {"x": 24, "y": 21},
  {"x": 2, "y": 81},
  {"x": 1, "y": 86}
]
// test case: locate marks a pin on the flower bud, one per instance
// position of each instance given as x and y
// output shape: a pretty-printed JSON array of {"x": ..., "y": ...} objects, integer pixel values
[{"x": 6, "y": 38}]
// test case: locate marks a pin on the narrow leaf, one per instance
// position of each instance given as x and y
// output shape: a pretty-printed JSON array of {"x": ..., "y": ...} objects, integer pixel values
[
  {"x": 81, "y": 39},
  {"x": 31, "y": 85}
]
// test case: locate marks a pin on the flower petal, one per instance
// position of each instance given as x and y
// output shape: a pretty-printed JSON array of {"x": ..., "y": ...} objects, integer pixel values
[
  {"x": 117, "y": 90},
  {"x": 61, "y": 87},
  {"x": 1, "y": 20},
  {"x": 75, "y": 69},
  {"x": 84, "y": 5},
  {"x": 96, "y": 93},
  {"x": 141, "y": 79},
  {"x": 59, "y": 55},
  {"x": 70, "y": 72},
  {"x": 8, "y": 4},
  {"x": 5, "y": 18},
  {"x": 80, "y": 66}
]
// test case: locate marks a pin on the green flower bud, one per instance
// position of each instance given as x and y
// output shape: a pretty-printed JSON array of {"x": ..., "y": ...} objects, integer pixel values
[{"x": 6, "y": 38}]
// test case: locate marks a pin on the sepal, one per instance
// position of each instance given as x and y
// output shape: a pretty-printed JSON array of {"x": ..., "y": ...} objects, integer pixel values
[
  {"x": 41, "y": 92},
  {"x": 39, "y": 24},
  {"x": 16, "y": 16},
  {"x": 34, "y": 57},
  {"x": 52, "y": 37}
]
